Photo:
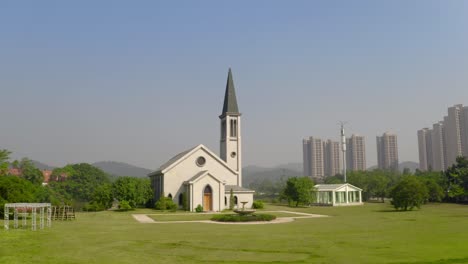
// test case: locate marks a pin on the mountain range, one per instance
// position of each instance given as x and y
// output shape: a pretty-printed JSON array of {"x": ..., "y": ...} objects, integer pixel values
[{"x": 250, "y": 173}]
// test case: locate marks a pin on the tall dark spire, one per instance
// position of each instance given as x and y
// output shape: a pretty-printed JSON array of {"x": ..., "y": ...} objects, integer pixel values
[{"x": 230, "y": 100}]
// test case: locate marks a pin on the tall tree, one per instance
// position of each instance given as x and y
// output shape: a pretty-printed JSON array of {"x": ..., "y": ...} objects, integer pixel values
[
  {"x": 135, "y": 191},
  {"x": 457, "y": 180},
  {"x": 30, "y": 172},
  {"x": 299, "y": 190},
  {"x": 4, "y": 157}
]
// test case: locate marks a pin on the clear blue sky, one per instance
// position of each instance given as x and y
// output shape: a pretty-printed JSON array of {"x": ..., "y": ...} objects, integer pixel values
[{"x": 139, "y": 81}]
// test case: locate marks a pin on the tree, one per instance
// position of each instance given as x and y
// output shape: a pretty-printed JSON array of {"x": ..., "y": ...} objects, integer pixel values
[
  {"x": 17, "y": 190},
  {"x": 30, "y": 172},
  {"x": 457, "y": 180},
  {"x": 4, "y": 157},
  {"x": 231, "y": 200},
  {"x": 410, "y": 192},
  {"x": 135, "y": 191},
  {"x": 185, "y": 205},
  {"x": 83, "y": 180},
  {"x": 299, "y": 190},
  {"x": 102, "y": 196}
]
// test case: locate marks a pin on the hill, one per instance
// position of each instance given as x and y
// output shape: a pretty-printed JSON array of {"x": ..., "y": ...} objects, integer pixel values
[
  {"x": 42, "y": 166},
  {"x": 121, "y": 169},
  {"x": 266, "y": 179}
]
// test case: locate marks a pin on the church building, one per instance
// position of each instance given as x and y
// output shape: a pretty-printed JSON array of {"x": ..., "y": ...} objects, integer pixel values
[{"x": 205, "y": 178}]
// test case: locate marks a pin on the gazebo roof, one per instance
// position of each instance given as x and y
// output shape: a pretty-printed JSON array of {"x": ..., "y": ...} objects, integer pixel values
[
  {"x": 29, "y": 205},
  {"x": 334, "y": 187}
]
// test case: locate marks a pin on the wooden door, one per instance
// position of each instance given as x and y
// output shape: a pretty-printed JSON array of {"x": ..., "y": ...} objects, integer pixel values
[{"x": 207, "y": 199}]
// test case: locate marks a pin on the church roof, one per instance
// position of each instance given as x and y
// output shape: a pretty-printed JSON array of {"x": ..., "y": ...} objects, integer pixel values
[
  {"x": 230, "y": 100},
  {"x": 174, "y": 159},
  {"x": 182, "y": 155},
  {"x": 236, "y": 188}
]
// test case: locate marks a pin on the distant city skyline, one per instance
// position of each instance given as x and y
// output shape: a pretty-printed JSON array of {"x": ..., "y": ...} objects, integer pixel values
[
  {"x": 118, "y": 81},
  {"x": 323, "y": 157},
  {"x": 440, "y": 145}
]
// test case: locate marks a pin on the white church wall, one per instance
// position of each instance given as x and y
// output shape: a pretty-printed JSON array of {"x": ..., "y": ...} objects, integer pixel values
[
  {"x": 242, "y": 197},
  {"x": 188, "y": 168},
  {"x": 217, "y": 188}
]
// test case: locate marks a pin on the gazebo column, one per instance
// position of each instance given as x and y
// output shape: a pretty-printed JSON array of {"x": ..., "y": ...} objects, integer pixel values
[
  {"x": 333, "y": 198},
  {"x": 360, "y": 196},
  {"x": 346, "y": 195},
  {"x": 7, "y": 218},
  {"x": 15, "y": 217}
]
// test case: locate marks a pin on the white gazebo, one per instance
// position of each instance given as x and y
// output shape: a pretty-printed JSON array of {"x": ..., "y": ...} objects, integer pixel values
[
  {"x": 338, "y": 194},
  {"x": 23, "y": 210}
]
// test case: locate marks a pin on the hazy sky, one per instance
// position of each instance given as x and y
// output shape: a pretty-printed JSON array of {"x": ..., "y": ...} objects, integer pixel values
[{"x": 139, "y": 81}]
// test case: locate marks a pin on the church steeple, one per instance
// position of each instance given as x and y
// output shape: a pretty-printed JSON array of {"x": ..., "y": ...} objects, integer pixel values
[
  {"x": 230, "y": 100},
  {"x": 230, "y": 143}
]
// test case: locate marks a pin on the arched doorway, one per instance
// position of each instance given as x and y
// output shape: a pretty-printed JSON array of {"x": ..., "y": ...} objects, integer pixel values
[{"x": 208, "y": 199}]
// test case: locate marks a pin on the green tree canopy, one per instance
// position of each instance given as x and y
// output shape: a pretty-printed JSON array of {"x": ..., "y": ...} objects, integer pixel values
[
  {"x": 410, "y": 192},
  {"x": 457, "y": 180},
  {"x": 136, "y": 191},
  {"x": 299, "y": 190},
  {"x": 81, "y": 183},
  {"x": 4, "y": 157},
  {"x": 30, "y": 172}
]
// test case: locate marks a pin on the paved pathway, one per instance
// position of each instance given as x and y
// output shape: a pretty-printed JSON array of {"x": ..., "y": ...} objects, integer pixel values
[{"x": 145, "y": 219}]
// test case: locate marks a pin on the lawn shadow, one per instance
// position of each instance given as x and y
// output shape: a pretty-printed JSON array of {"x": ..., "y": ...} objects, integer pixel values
[{"x": 392, "y": 211}]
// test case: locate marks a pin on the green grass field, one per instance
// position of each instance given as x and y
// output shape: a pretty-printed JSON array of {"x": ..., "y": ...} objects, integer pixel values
[{"x": 373, "y": 233}]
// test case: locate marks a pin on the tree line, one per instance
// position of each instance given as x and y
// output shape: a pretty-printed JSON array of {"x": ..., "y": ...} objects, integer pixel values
[
  {"x": 406, "y": 189},
  {"x": 81, "y": 185}
]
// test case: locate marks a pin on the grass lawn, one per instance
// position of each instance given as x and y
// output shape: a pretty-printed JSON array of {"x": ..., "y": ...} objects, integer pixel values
[{"x": 373, "y": 233}]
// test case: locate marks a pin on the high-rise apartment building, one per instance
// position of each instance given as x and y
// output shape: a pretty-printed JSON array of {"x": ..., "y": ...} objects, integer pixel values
[
  {"x": 438, "y": 146},
  {"x": 425, "y": 149},
  {"x": 356, "y": 153},
  {"x": 448, "y": 140},
  {"x": 313, "y": 156},
  {"x": 454, "y": 133},
  {"x": 306, "y": 157},
  {"x": 321, "y": 158},
  {"x": 387, "y": 151},
  {"x": 465, "y": 131},
  {"x": 332, "y": 157}
]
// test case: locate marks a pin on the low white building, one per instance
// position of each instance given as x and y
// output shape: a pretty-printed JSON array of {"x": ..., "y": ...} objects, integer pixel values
[
  {"x": 205, "y": 178},
  {"x": 338, "y": 194}
]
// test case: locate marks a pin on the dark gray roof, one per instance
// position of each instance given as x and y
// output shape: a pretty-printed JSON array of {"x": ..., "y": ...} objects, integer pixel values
[
  {"x": 236, "y": 188},
  {"x": 230, "y": 100},
  {"x": 174, "y": 159},
  {"x": 197, "y": 175}
]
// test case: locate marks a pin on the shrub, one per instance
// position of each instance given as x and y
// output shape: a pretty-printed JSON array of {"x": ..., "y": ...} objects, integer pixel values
[
  {"x": 170, "y": 205},
  {"x": 258, "y": 204},
  {"x": 231, "y": 200},
  {"x": 184, "y": 201},
  {"x": 93, "y": 207},
  {"x": 410, "y": 192},
  {"x": 165, "y": 203},
  {"x": 124, "y": 206},
  {"x": 242, "y": 218},
  {"x": 199, "y": 209}
]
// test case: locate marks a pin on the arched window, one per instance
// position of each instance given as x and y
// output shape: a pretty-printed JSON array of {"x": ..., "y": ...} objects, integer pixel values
[
  {"x": 235, "y": 200},
  {"x": 181, "y": 199},
  {"x": 170, "y": 196},
  {"x": 234, "y": 128},
  {"x": 207, "y": 190},
  {"x": 225, "y": 200}
]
